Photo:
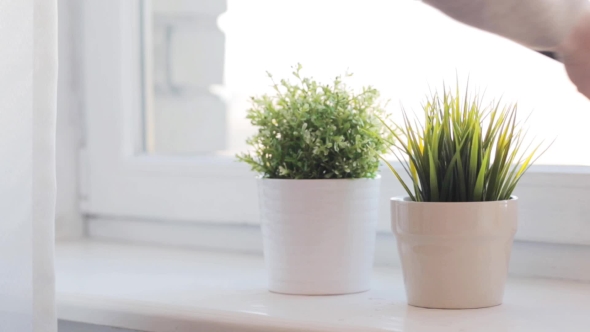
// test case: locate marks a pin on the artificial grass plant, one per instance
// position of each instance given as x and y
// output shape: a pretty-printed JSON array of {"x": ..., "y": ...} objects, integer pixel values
[{"x": 464, "y": 151}]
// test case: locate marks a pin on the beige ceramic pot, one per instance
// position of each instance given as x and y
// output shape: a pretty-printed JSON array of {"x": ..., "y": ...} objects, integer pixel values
[{"x": 454, "y": 255}]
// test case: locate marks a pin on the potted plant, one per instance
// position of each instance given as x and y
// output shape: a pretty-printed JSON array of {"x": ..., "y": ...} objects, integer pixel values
[
  {"x": 455, "y": 229},
  {"x": 317, "y": 152}
]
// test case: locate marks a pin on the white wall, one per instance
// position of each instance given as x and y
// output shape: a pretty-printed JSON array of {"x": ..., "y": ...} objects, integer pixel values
[{"x": 69, "y": 138}]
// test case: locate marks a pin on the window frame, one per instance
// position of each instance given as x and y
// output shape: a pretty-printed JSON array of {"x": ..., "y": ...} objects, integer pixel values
[{"x": 119, "y": 181}]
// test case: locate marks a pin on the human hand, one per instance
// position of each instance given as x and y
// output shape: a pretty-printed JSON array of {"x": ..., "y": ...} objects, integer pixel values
[{"x": 575, "y": 53}]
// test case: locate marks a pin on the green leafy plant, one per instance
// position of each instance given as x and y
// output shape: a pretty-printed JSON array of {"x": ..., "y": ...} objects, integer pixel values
[
  {"x": 464, "y": 151},
  {"x": 308, "y": 130}
]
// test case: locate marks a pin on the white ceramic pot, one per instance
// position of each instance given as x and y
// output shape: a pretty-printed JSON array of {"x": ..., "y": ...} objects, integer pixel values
[
  {"x": 454, "y": 255},
  {"x": 319, "y": 235}
]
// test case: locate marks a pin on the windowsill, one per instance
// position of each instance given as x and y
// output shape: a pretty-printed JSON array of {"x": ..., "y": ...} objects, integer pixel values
[{"x": 161, "y": 289}]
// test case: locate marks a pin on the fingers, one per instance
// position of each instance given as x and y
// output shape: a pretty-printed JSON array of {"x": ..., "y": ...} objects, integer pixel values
[
  {"x": 576, "y": 55},
  {"x": 580, "y": 78}
]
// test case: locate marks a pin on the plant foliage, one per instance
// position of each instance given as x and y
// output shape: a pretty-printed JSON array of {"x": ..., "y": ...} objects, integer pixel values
[
  {"x": 464, "y": 151},
  {"x": 308, "y": 130}
]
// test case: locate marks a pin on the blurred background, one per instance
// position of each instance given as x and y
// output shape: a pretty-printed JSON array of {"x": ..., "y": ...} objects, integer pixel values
[
  {"x": 199, "y": 71},
  {"x": 152, "y": 99},
  {"x": 153, "y": 93}
]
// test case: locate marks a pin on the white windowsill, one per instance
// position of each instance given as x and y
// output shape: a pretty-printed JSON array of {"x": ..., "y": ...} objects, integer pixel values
[{"x": 162, "y": 289}]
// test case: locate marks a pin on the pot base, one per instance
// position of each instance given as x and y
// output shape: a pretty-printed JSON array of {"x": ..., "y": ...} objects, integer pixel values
[
  {"x": 453, "y": 308},
  {"x": 294, "y": 293}
]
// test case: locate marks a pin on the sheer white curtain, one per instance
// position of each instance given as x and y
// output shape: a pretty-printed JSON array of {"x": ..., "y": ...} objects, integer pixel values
[{"x": 28, "y": 83}]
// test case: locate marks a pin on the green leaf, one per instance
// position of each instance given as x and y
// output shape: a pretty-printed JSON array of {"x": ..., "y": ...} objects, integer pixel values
[
  {"x": 479, "y": 184},
  {"x": 433, "y": 179},
  {"x": 399, "y": 178}
]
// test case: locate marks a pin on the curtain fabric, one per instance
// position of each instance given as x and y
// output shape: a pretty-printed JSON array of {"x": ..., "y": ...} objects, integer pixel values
[{"x": 28, "y": 83}]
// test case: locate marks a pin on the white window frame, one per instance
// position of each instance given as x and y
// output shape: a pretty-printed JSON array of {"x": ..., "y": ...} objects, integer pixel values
[{"x": 119, "y": 181}]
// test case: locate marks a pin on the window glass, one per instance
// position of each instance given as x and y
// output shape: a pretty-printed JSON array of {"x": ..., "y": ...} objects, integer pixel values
[{"x": 202, "y": 62}]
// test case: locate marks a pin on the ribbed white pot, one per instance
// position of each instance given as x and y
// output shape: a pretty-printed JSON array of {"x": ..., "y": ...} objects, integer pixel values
[
  {"x": 319, "y": 235},
  {"x": 454, "y": 255}
]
